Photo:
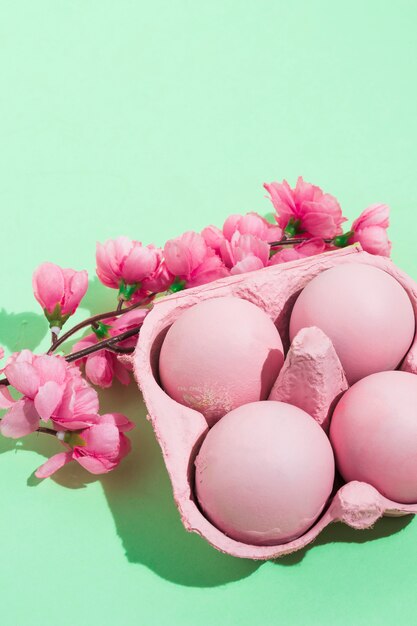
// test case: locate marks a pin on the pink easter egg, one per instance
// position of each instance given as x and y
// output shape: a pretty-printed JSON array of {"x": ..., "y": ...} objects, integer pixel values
[
  {"x": 374, "y": 434},
  {"x": 220, "y": 354},
  {"x": 264, "y": 473},
  {"x": 366, "y": 313}
]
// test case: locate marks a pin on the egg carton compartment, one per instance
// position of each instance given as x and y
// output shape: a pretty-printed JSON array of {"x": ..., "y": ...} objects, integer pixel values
[{"x": 180, "y": 430}]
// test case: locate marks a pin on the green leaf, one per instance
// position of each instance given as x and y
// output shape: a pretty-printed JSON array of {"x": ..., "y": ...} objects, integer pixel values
[
  {"x": 101, "y": 330},
  {"x": 341, "y": 241},
  {"x": 55, "y": 318},
  {"x": 126, "y": 291},
  {"x": 177, "y": 285},
  {"x": 293, "y": 227}
]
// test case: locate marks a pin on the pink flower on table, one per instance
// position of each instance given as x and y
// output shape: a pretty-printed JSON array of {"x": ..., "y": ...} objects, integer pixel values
[
  {"x": 191, "y": 261},
  {"x": 124, "y": 264},
  {"x": 59, "y": 291},
  {"x": 242, "y": 244},
  {"x": 157, "y": 282},
  {"x": 213, "y": 237},
  {"x": 99, "y": 448},
  {"x": 310, "y": 247},
  {"x": 275, "y": 233},
  {"x": 251, "y": 224},
  {"x": 244, "y": 253},
  {"x": 102, "y": 367},
  {"x": 370, "y": 230},
  {"x": 51, "y": 389},
  {"x": 79, "y": 404},
  {"x": 306, "y": 209}
]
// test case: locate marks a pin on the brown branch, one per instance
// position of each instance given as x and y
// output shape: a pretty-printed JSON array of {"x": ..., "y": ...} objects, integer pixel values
[
  {"x": 47, "y": 431},
  {"x": 292, "y": 241},
  {"x": 96, "y": 318},
  {"x": 101, "y": 345}
]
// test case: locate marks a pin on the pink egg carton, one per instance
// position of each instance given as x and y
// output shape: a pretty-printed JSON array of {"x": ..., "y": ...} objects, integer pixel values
[{"x": 180, "y": 430}]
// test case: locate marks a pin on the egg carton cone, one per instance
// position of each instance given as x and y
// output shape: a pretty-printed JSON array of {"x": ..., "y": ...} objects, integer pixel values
[{"x": 311, "y": 361}]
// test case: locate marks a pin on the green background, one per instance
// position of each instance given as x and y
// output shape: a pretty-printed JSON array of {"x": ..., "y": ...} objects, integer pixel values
[{"x": 147, "y": 119}]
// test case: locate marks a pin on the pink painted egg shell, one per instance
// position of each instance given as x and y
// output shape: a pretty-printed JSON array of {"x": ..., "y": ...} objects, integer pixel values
[
  {"x": 264, "y": 473},
  {"x": 366, "y": 313},
  {"x": 374, "y": 434},
  {"x": 220, "y": 354}
]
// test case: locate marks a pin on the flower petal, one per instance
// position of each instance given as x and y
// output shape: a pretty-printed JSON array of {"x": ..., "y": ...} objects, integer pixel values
[
  {"x": 48, "y": 398},
  {"x": 76, "y": 285},
  {"x": 20, "y": 420},
  {"x": 99, "y": 368},
  {"x": 51, "y": 367},
  {"x": 48, "y": 285},
  {"x": 53, "y": 464},
  {"x": 6, "y": 400},
  {"x": 24, "y": 377},
  {"x": 95, "y": 465},
  {"x": 118, "y": 419}
]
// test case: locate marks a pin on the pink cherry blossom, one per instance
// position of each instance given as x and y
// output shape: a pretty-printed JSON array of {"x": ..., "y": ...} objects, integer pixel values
[
  {"x": 160, "y": 280},
  {"x": 244, "y": 253},
  {"x": 311, "y": 211},
  {"x": 59, "y": 291},
  {"x": 370, "y": 230},
  {"x": 102, "y": 367},
  {"x": 213, "y": 237},
  {"x": 124, "y": 261},
  {"x": 99, "y": 448},
  {"x": 230, "y": 225},
  {"x": 79, "y": 404},
  {"x": 310, "y": 247},
  {"x": 51, "y": 389},
  {"x": 192, "y": 261},
  {"x": 251, "y": 224}
]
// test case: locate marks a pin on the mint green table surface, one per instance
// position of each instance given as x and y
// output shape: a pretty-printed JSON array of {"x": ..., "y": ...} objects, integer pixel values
[{"x": 147, "y": 119}]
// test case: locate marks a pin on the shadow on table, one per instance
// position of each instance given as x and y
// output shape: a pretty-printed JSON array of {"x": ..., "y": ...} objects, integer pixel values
[
  {"x": 338, "y": 532},
  {"x": 140, "y": 499},
  {"x": 21, "y": 330}
]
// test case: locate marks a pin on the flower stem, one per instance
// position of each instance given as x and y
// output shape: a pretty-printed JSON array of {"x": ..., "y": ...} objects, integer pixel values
[
  {"x": 48, "y": 431},
  {"x": 95, "y": 318},
  {"x": 290, "y": 241},
  {"x": 109, "y": 344}
]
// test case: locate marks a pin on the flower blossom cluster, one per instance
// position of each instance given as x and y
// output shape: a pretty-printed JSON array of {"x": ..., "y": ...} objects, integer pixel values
[
  {"x": 103, "y": 366},
  {"x": 243, "y": 244},
  {"x": 55, "y": 393}
]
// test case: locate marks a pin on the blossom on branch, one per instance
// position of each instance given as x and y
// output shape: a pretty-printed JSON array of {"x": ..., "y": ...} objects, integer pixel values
[
  {"x": 305, "y": 210},
  {"x": 244, "y": 253},
  {"x": 59, "y": 291},
  {"x": 98, "y": 448},
  {"x": 103, "y": 366},
  {"x": 51, "y": 389},
  {"x": 370, "y": 230},
  {"x": 309, "y": 247},
  {"x": 191, "y": 261},
  {"x": 124, "y": 264}
]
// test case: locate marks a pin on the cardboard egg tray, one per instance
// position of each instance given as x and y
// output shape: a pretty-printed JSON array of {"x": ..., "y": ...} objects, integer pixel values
[{"x": 180, "y": 430}]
